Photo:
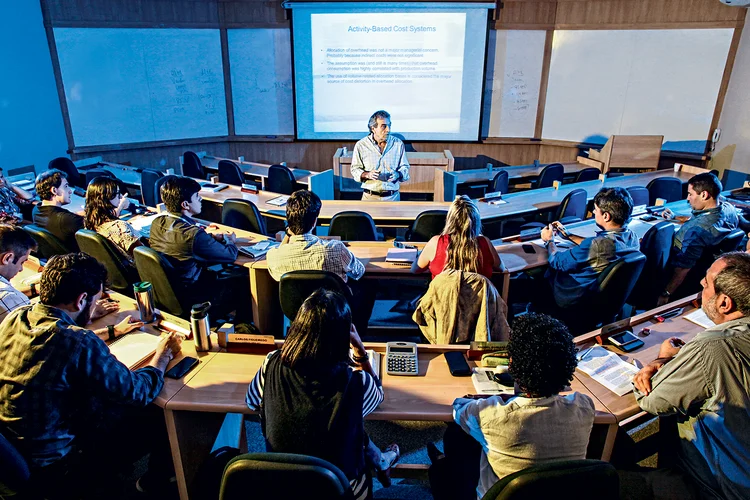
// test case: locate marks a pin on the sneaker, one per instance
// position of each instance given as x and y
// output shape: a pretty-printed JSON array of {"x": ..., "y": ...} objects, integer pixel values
[{"x": 390, "y": 456}]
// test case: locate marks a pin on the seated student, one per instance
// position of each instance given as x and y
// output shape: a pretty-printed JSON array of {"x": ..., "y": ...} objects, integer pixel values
[
  {"x": 711, "y": 221},
  {"x": 66, "y": 403},
  {"x": 534, "y": 426},
  {"x": 313, "y": 402},
  {"x": 15, "y": 247},
  {"x": 54, "y": 191},
  {"x": 190, "y": 250},
  {"x": 300, "y": 250},
  {"x": 706, "y": 384},
  {"x": 104, "y": 204},
  {"x": 10, "y": 198},
  {"x": 461, "y": 240}
]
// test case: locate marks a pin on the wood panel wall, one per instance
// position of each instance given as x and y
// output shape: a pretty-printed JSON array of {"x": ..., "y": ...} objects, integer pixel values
[{"x": 512, "y": 14}]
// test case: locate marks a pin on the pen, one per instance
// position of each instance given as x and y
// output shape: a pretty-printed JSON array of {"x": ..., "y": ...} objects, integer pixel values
[
  {"x": 669, "y": 314},
  {"x": 584, "y": 353}
]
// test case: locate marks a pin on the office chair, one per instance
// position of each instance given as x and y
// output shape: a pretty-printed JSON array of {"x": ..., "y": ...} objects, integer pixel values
[
  {"x": 75, "y": 179},
  {"x": 191, "y": 166},
  {"x": 668, "y": 188},
  {"x": 149, "y": 192},
  {"x": 427, "y": 224},
  {"x": 98, "y": 172},
  {"x": 282, "y": 476},
  {"x": 157, "y": 188},
  {"x": 549, "y": 479},
  {"x": 120, "y": 273},
  {"x": 639, "y": 194},
  {"x": 588, "y": 174},
  {"x": 48, "y": 245},
  {"x": 500, "y": 182},
  {"x": 242, "y": 214},
  {"x": 152, "y": 267},
  {"x": 656, "y": 246},
  {"x": 353, "y": 225},
  {"x": 230, "y": 173},
  {"x": 549, "y": 174},
  {"x": 572, "y": 209},
  {"x": 14, "y": 470},
  {"x": 692, "y": 282},
  {"x": 296, "y": 286},
  {"x": 280, "y": 180}
]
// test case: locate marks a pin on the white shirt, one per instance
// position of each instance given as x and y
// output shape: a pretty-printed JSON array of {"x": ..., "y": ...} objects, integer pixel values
[
  {"x": 10, "y": 298},
  {"x": 307, "y": 252},
  {"x": 524, "y": 431},
  {"x": 366, "y": 157}
]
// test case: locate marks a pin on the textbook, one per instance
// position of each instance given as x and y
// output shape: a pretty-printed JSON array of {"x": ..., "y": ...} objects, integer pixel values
[{"x": 134, "y": 348}]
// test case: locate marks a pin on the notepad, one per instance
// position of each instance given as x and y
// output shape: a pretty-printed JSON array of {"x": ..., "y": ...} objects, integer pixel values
[
  {"x": 401, "y": 255},
  {"x": 608, "y": 369},
  {"x": 279, "y": 201},
  {"x": 134, "y": 348},
  {"x": 258, "y": 250},
  {"x": 214, "y": 188}
]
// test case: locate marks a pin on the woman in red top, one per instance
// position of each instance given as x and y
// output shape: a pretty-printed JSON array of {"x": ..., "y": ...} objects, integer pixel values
[{"x": 461, "y": 245}]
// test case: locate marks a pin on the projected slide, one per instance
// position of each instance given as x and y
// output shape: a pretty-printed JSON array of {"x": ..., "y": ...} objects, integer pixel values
[
  {"x": 414, "y": 62},
  {"x": 421, "y": 62}
]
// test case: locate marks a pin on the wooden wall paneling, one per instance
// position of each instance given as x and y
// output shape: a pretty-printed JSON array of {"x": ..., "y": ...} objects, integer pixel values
[
  {"x": 725, "y": 78},
  {"x": 526, "y": 14},
  {"x": 547, "y": 58},
  {"x": 164, "y": 13},
  {"x": 157, "y": 158},
  {"x": 560, "y": 154}
]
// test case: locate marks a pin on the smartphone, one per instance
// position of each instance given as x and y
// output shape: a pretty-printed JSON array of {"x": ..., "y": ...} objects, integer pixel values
[
  {"x": 626, "y": 341},
  {"x": 528, "y": 248},
  {"x": 457, "y": 364},
  {"x": 182, "y": 368}
]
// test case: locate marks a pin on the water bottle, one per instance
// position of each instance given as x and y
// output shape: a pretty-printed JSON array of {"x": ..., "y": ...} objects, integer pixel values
[
  {"x": 489, "y": 167},
  {"x": 200, "y": 327},
  {"x": 144, "y": 297}
]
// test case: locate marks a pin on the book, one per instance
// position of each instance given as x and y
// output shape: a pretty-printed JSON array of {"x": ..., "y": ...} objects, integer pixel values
[
  {"x": 375, "y": 360},
  {"x": 134, "y": 348},
  {"x": 214, "y": 188},
  {"x": 279, "y": 201},
  {"x": 401, "y": 255},
  {"x": 608, "y": 369}
]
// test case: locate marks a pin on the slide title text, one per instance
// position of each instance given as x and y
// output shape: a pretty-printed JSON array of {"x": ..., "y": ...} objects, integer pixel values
[{"x": 392, "y": 29}]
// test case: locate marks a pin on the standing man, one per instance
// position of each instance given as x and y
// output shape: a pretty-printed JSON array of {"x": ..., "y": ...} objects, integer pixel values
[{"x": 379, "y": 161}]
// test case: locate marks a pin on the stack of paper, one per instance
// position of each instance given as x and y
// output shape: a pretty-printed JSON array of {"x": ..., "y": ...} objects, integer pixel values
[
  {"x": 484, "y": 382},
  {"x": 608, "y": 369},
  {"x": 134, "y": 348}
]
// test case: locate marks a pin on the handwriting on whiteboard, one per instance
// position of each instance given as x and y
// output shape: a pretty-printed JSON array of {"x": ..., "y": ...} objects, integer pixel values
[{"x": 516, "y": 92}]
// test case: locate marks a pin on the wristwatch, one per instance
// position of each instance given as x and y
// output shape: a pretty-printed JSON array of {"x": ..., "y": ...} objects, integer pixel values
[
  {"x": 666, "y": 293},
  {"x": 111, "y": 332}
]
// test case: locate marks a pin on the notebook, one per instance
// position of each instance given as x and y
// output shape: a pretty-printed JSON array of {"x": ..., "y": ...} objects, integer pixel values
[
  {"x": 401, "y": 255},
  {"x": 134, "y": 348},
  {"x": 279, "y": 201},
  {"x": 374, "y": 357}
]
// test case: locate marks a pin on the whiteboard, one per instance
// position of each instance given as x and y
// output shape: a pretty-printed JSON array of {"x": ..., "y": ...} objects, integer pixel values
[
  {"x": 126, "y": 85},
  {"x": 260, "y": 62},
  {"x": 638, "y": 82},
  {"x": 511, "y": 87}
]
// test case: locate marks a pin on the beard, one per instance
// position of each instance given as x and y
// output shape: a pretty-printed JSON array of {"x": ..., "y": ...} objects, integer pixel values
[
  {"x": 83, "y": 319},
  {"x": 709, "y": 307}
]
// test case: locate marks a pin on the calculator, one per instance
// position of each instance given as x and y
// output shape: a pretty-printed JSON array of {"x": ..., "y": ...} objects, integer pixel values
[{"x": 401, "y": 358}]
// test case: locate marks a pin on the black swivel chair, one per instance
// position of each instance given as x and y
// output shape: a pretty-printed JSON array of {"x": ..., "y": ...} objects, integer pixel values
[
  {"x": 244, "y": 215},
  {"x": 154, "y": 269},
  {"x": 655, "y": 245},
  {"x": 230, "y": 173},
  {"x": 549, "y": 479},
  {"x": 157, "y": 187},
  {"x": 639, "y": 194},
  {"x": 149, "y": 194},
  {"x": 98, "y": 172},
  {"x": 427, "y": 224},
  {"x": 588, "y": 174},
  {"x": 549, "y": 174},
  {"x": 191, "y": 166},
  {"x": 280, "y": 180},
  {"x": 353, "y": 225},
  {"x": 120, "y": 273},
  {"x": 75, "y": 179},
  {"x": 282, "y": 476},
  {"x": 48, "y": 245},
  {"x": 500, "y": 182},
  {"x": 572, "y": 209},
  {"x": 296, "y": 286},
  {"x": 667, "y": 188},
  {"x": 691, "y": 283},
  {"x": 14, "y": 470}
]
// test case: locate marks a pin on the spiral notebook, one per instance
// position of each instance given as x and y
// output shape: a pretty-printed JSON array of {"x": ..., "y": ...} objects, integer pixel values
[{"x": 134, "y": 348}]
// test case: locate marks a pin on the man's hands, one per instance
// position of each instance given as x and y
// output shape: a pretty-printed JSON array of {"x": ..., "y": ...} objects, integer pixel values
[
  {"x": 124, "y": 203},
  {"x": 226, "y": 237},
  {"x": 663, "y": 299},
  {"x": 378, "y": 176},
  {"x": 127, "y": 325},
  {"x": 668, "y": 350},
  {"x": 169, "y": 346},
  {"x": 548, "y": 233},
  {"x": 104, "y": 307},
  {"x": 669, "y": 215}
]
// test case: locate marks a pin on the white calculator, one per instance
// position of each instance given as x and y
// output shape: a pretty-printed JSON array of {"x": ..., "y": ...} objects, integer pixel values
[{"x": 401, "y": 358}]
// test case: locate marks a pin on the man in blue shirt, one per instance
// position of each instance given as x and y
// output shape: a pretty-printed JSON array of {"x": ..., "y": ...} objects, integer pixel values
[{"x": 711, "y": 221}]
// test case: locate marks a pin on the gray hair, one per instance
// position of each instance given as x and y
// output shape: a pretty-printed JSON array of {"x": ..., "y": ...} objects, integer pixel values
[
  {"x": 385, "y": 115},
  {"x": 734, "y": 280}
]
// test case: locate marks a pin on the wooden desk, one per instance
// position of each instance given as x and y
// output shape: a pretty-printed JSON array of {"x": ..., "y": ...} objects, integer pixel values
[
  {"x": 131, "y": 176},
  {"x": 195, "y": 413}
]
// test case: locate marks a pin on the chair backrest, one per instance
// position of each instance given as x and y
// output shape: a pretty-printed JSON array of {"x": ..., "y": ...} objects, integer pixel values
[
  {"x": 549, "y": 479},
  {"x": 75, "y": 179},
  {"x": 242, "y": 214},
  {"x": 280, "y": 180},
  {"x": 691, "y": 283},
  {"x": 588, "y": 174},
  {"x": 573, "y": 205},
  {"x": 282, "y": 475},
  {"x": 668, "y": 188},
  {"x": 655, "y": 245},
  {"x": 153, "y": 268},
  {"x": 48, "y": 245},
  {"x": 615, "y": 284},
  {"x": 296, "y": 286},
  {"x": 191, "y": 166},
  {"x": 157, "y": 188},
  {"x": 98, "y": 172},
  {"x": 427, "y": 224},
  {"x": 353, "y": 225},
  {"x": 549, "y": 174},
  {"x": 639, "y": 194},
  {"x": 120, "y": 273},
  {"x": 14, "y": 470},
  {"x": 149, "y": 194},
  {"x": 230, "y": 173},
  {"x": 500, "y": 182}
]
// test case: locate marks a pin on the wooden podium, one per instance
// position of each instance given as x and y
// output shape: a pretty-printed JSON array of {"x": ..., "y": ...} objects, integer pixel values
[
  {"x": 634, "y": 152},
  {"x": 422, "y": 172}
]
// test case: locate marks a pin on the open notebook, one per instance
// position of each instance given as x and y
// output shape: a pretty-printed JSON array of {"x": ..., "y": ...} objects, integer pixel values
[
  {"x": 375, "y": 358},
  {"x": 134, "y": 348}
]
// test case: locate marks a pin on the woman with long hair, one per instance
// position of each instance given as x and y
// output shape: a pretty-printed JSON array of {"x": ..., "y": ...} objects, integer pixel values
[
  {"x": 461, "y": 245},
  {"x": 104, "y": 203},
  {"x": 313, "y": 400}
]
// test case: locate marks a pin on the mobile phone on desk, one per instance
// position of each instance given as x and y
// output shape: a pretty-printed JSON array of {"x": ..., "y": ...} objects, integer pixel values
[
  {"x": 457, "y": 364},
  {"x": 626, "y": 341},
  {"x": 182, "y": 368},
  {"x": 528, "y": 248}
]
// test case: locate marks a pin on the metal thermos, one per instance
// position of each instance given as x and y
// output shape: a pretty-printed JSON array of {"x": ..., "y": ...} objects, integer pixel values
[
  {"x": 144, "y": 296},
  {"x": 200, "y": 327}
]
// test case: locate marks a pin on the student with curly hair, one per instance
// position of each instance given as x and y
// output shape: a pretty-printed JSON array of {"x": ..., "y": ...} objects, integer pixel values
[{"x": 535, "y": 425}]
